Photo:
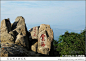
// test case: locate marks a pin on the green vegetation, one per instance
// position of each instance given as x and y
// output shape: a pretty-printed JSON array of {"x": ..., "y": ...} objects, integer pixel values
[{"x": 71, "y": 44}]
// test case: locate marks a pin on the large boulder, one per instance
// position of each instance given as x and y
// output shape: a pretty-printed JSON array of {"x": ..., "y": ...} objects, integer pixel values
[
  {"x": 5, "y": 25},
  {"x": 19, "y": 27},
  {"x": 45, "y": 38},
  {"x": 34, "y": 32},
  {"x": 44, "y": 35},
  {"x": 6, "y": 37},
  {"x": 43, "y": 43},
  {"x": 49, "y": 31}
]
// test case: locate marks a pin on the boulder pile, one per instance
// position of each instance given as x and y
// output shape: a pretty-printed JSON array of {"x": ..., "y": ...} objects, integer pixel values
[{"x": 16, "y": 40}]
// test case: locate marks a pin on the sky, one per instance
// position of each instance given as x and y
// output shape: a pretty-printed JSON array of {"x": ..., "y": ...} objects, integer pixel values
[{"x": 58, "y": 14}]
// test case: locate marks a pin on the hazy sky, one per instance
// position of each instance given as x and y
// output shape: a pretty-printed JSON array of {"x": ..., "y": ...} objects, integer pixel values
[{"x": 58, "y": 14}]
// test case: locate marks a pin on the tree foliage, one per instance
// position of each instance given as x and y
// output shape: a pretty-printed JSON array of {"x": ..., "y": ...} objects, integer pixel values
[{"x": 71, "y": 44}]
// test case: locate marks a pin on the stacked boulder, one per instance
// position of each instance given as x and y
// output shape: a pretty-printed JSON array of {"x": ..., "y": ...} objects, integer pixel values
[
  {"x": 44, "y": 35},
  {"x": 17, "y": 40}
]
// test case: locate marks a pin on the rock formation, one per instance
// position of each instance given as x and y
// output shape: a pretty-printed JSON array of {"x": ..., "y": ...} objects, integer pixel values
[
  {"x": 44, "y": 35},
  {"x": 20, "y": 40},
  {"x": 16, "y": 40},
  {"x": 34, "y": 47},
  {"x": 6, "y": 37},
  {"x": 5, "y": 25},
  {"x": 45, "y": 38},
  {"x": 34, "y": 32},
  {"x": 19, "y": 27}
]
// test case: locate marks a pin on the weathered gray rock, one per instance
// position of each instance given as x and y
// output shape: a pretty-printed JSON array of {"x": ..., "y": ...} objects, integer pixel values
[
  {"x": 33, "y": 38},
  {"x": 12, "y": 33},
  {"x": 34, "y": 32},
  {"x": 20, "y": 40},
  {"x": 6, "y": 38},
  {"x": 45, "y": 37},
  {"x": 15, "y": 50},
  {"x": 18, "y": 51},
  {"x": 34, "y": 47},
  {"x": 9, "y": 33},
  {"x": 48, "y": 30},
  {"x": 19, "y": 27},
  {"x": 5, "y": 26},
  {"x": 43, "y": 43}
]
